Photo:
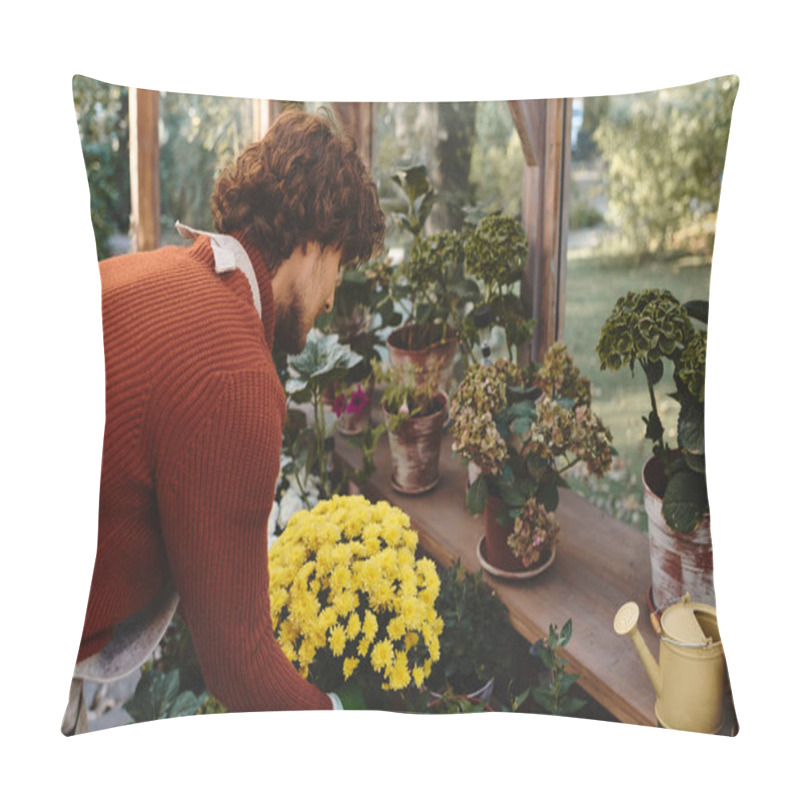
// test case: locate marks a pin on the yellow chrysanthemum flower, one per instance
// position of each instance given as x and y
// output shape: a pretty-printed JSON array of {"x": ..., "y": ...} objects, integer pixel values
[
  {"x": 399, "y": 676},
  {"x": 370, "y": 626},
  {"x": 396, "y": 628},
  {"x": 349, "y": 666},
  {"x": 382, "y": 655},
  {"x": 335, "y": 572},
  {"x": 337, "y": 639},
  {"x": 353, "y": 626}
]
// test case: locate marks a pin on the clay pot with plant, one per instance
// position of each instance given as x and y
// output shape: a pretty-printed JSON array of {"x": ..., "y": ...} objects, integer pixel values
[
  {"x": 362, "y": 314},
  {"x": 523, "y": 435},
  {"x": 415, "y": 413},
  {"x": 431, "y": 285},
  {"x": 653, "y": 330}
]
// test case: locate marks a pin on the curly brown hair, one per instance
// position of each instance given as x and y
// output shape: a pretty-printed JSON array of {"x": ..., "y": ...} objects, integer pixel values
[{"x": 303, "y": 182}]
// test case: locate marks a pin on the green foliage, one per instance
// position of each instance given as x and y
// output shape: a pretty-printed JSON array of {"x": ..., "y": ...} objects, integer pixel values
[
  {"x": 474, "y": 640},
  {"x": 419, "y": 195},
  {"x": 497, "y": 161},
  {"x": 406, "y": 396},
  {"x": 582, "y": 214},
  {"x": 323, "y": 363},
  {"x": 102, "y": 114},
  {"x": 157, "y": 696},
  {"x": 665, "y": 155},
  {"x": 552, "y": 694},
  {"x": 432, "y": 280},
  {"x": 651, "y": 328},
  {"x": 495, "y": 253},
  {"x": 366, "y": 442},
  {"x": 172, "y": 684},
  {"x": 200, "y": 135},
  {"x": 363, "y": 309}
]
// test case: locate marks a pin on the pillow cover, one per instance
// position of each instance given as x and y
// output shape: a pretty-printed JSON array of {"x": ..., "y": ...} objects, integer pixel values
[{"x": 491, "y": 205}]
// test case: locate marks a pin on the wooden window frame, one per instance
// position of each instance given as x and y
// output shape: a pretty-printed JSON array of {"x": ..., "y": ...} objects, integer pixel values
[{"x": 544, "y": 130}]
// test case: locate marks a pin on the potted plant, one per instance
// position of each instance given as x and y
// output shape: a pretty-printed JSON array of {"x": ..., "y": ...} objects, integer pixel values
[
  {"x": 415, "y": 412},
  {"x": 362, "y": 312},
  {"x": 523, "y": 434},
  {"x": 433, "y": 285},
  {"x": 353, "y": 607},
  {"x": 652, "y": 329},
  {"x": 323, "y": 363},
  {"x": 473, "y": 643},
  {"x": 495, "y": 252}
]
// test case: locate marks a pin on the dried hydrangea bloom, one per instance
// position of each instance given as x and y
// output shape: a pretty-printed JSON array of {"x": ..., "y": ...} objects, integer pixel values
[{"x": 535, "y": 532}]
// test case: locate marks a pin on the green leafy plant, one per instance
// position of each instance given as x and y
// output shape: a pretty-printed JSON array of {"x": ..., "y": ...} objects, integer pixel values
[
  {"x": 665, "y": 154},
  {"x": 552, "y": 694},
  {"x": 431, "y": 282},
  {"x": 405, "y": 396},
  {"x": 367, "y": 442},
  {"x": 495, "y": 252},
  {"x": 473, "y": 643},
  {"x": 413, "y": 182},
  {"x": 651, "y": 329},
  {"x": 363, "y": 310},
  {"x": 524, "y": 434},
  {"x": 158, "y": 696},
  {"x": 323, "y": 362},
  {"x": 172, "y": 685}
]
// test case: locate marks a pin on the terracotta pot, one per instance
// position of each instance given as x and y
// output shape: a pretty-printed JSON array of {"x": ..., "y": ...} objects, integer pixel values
[
  {"x": 498, "y": 553},
  {"x": 494, "y": 554},
  {"x": 679, "y": 562},
  {"x": 438, "y": 356},
  {"x": 414, "y": 447},
  {"x": 351, "y": 424}
]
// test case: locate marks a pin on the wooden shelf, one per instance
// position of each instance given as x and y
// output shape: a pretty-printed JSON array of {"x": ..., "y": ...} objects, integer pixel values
[{"x": 600, "y": 564}]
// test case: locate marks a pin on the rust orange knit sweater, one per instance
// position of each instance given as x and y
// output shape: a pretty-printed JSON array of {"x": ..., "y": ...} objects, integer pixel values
[{"x": 194, "y": 417}]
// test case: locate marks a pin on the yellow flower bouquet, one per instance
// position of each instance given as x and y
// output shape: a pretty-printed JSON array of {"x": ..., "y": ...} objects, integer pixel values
[{"x": 351, "y": 602}]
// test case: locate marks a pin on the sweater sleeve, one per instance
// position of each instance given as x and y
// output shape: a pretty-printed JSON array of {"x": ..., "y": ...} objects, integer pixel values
[{"x": 214, "y": 499}]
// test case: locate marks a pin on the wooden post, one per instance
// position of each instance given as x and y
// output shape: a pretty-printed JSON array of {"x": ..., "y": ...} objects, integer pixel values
[
  {"x": 265, "y": 113},
  {"x": 543, "y": 127},
  {"x": 145, "y": 179},
  {"x": 358, "y": 120}
]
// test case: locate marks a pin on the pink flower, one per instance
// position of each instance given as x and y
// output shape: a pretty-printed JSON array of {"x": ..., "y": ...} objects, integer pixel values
[
  {"x": 358, "y": 402},
  {"x": 339, "y": 404}
]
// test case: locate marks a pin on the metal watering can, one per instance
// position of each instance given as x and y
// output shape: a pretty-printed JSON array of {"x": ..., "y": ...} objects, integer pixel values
[{"x": 690, "y": 678}]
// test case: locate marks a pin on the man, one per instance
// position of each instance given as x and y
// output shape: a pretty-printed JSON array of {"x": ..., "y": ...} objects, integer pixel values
[{"x": 195, "y": 410}]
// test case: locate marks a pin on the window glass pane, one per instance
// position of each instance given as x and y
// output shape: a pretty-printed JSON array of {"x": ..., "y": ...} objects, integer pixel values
[
  {"x": 102, "y": 113},
  {"x": 198, "y": 136},
  {"x": 644, "y": 188}
]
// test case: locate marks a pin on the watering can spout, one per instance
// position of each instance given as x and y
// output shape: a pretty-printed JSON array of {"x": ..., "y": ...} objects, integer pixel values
[{"x": 625, "y": 624}]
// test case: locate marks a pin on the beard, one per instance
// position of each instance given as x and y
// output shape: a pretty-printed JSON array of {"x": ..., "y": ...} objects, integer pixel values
[{"x": 290, "y": 328}]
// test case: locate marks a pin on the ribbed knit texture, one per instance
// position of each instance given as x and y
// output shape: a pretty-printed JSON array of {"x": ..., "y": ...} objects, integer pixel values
[{"x": 194, "y": 418}]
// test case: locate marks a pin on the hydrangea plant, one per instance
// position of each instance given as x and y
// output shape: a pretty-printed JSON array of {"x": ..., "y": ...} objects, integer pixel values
[
  {"x": 524, "y": 436},
  {"x": 651, "y": 329},
  {"x": 495, "y": 252}
]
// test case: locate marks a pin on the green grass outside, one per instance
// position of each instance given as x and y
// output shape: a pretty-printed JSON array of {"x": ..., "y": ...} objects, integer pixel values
[{"x": 594, "y": 282}]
